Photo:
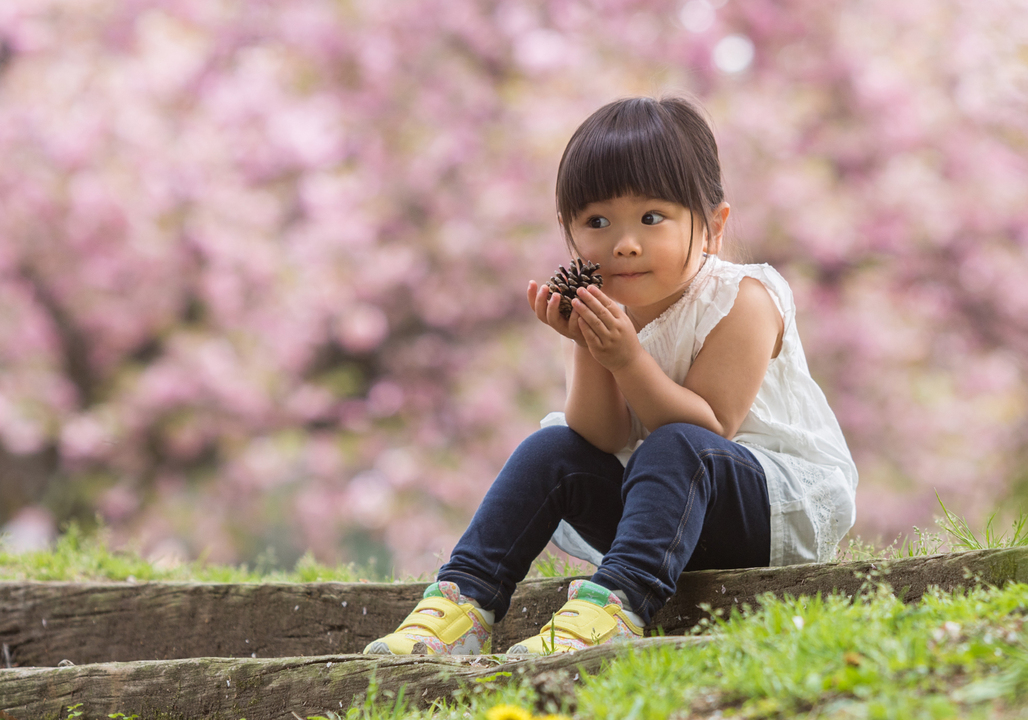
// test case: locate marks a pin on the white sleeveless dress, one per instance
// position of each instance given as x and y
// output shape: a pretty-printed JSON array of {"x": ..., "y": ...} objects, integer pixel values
[{"x": 811, "y": 477}]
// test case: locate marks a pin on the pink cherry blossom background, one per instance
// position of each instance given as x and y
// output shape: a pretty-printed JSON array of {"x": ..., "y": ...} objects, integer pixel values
[{"x": 262, "y": 264}]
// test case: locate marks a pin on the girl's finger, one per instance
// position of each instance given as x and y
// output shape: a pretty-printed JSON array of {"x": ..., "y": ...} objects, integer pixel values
[
  {"x": 575, "y": 328},
  {"x": 589, "y": 315},
  {"x": 553, "y": 316},
  {"x": 592, "y": 339},
  {"x": 533, "y": 291},
  {"x": 532, "y": 294},
  {"x": 542, "y": 298},
  {"x": 590, "y": 308},
  {"x": 599, "y": 303}
]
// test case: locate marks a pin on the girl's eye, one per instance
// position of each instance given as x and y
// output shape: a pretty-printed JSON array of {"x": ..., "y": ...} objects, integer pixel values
[
  {"x": 597, "y": 222},
  {"x": 652, "y": 218}
]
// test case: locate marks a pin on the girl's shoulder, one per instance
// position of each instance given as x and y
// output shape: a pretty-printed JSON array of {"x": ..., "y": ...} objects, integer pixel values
[
  {"x": 710, "y": 298},
  {"x": 717, "y": 296},
  {"x": 729, "y": 275}
]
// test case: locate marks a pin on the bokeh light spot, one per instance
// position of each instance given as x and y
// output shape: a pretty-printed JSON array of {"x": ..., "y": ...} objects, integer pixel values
[
  {"x": 733, "y": 53},
  {"x": 697, "y": 15}
]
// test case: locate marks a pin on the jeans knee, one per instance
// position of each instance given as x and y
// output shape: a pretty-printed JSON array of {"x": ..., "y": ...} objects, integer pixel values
[
  {"x": 694, "y": 436},
  {"x": 549, "y": 448},
  {"x": 549, "y": 441},
  {"x": 673, "y": 452},
  {"x": 677, "y": 440}
]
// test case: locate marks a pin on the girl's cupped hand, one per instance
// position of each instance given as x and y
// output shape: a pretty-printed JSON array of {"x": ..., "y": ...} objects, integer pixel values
[
  {"x": 597, "y": 323},
  {"x": 606, "y": 328},
  {"x": 546, "y": 305}
]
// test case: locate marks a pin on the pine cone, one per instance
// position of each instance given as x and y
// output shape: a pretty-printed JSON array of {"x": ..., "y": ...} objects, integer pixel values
[{"x": 566, "y": 282}]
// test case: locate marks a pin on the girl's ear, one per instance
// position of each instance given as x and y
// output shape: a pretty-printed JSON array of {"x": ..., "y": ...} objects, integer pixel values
[{"x": 718, "y": 220}]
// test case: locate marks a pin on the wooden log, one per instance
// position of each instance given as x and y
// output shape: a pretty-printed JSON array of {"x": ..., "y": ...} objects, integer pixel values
[
  {"x": 44, "y": 623},
  {"x": 272, "y": 689},
  {"x": 908, "y": 577}
]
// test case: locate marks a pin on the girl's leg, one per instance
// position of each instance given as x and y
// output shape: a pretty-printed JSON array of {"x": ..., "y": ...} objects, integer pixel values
[
  {"x": 692, "y": 500},
  {"x": 554, "y": 474}
]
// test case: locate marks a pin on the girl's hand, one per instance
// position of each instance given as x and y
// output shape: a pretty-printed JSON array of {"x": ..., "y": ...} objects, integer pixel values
[
  {"x": 607, "y": 330},
  {"x": 546, "y": 305}
]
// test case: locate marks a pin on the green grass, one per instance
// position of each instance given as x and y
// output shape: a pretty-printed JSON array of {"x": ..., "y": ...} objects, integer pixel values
[
  {"x": 78, "y": 557},
  {"x": 951, "y": 655},
  {"x": 964, "y": 538},
  {"x": 954, "y": 535}
]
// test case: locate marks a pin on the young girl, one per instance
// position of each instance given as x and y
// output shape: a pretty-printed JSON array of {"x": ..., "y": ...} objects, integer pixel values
[{"x": 693, "y": 436}]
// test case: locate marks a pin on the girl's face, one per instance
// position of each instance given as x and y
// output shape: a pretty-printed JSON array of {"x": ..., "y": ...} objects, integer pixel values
[{"x": 643, "y": 248}]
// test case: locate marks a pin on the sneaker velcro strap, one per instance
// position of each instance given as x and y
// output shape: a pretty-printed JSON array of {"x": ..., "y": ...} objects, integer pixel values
[
  {"x": 589, "y": 623},
  {"x": 448, "y": 628}
]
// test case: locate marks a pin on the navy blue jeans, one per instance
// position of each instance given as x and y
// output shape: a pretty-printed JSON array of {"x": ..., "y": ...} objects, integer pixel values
[{"x": 688, "y": 500}]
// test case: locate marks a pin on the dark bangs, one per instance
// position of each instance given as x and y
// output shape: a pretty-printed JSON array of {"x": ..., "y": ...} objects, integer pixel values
[{"x": 661, "y": 149}]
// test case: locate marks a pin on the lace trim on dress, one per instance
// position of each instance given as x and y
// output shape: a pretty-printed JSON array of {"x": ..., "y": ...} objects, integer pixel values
[
  {"x": 697, "y": 284},
  {"x": 820, "y": 507}
]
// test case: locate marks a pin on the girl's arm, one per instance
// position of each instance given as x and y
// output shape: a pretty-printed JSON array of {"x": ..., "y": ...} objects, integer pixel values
[
  {"x": 723, "y": 380},
  {"x": 595, "y": 407}
]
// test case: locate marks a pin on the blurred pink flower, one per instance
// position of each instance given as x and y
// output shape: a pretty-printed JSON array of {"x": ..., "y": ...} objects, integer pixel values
[
  {"x": 385, "y": 398},
  {"x": 20, "y": 432},
  {"x": 118, "y": 504},
  {"x": 32, "y": 528},
  {"x": 362, "y": 328},
  {"x": 370, "y": 499},
  {"x": 84, "y": 438}
]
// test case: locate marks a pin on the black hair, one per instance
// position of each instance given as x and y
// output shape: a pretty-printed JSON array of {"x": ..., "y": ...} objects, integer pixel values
[{"x": 662, "y": 149}]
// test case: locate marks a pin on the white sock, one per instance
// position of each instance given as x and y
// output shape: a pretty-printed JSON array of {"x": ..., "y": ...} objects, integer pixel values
[
  {"x": 488, "y": 615},
  {"x": 627, "y": 609}
]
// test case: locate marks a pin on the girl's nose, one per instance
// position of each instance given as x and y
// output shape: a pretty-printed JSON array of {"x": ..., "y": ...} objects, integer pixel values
[{"x": 627, "y": 246}]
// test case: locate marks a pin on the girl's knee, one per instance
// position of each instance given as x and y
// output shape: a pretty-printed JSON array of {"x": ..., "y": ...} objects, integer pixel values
[
  {"x": 555, "y": 438},
  {"x": 549, "y": 445},
  {"x": 691, "y": 436}
]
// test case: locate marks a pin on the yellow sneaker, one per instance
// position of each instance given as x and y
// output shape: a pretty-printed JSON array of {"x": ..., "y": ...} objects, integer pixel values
[
  {"x": 443, "y": 623},
  {"x": 593, "y": 615}
]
